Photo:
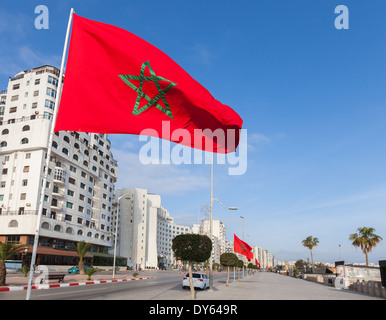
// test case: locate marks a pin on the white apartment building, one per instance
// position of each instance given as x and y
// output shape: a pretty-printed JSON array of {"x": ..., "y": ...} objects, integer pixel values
[
  {"x": 167, "y": 229},
  {"x": 258, "y": 254},
  {"x": 80, "y": 183},
  {"x": 145, "y": 228},
  {"x": 218, "y": 236}
]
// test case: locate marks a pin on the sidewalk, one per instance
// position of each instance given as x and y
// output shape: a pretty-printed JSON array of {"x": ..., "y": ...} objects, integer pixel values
[
  {"x": 19, "y": 282},
  {"x": 274, "y": 286}
]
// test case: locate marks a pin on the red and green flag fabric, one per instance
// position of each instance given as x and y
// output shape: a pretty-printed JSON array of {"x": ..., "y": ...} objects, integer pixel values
[
  {"x": 116, "y": 82},
  {"x": 242, "y": 247}
]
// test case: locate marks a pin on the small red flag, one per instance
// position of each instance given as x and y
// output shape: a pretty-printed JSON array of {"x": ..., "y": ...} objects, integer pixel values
[
  {"x": 117, "y": 82},
  {"x": 256, "y": 263},
  {"x": 242, "y": 247}
]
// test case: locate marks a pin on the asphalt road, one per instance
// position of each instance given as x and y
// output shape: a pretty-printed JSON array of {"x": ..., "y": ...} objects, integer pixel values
[{"x": 165, "y": 285}]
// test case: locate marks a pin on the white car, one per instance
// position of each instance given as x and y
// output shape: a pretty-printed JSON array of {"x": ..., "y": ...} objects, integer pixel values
[{"x": 200, "y": 280}]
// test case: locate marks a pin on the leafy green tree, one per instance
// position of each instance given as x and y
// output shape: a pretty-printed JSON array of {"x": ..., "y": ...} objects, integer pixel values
[
  {"x": 81, "y": 248},
  {"x": 299, "y": 264},
  {"x": 228, "y": 260},
  {"x": 194, "y": 248},
  {"x": 366, "y": 239},
  {"x": 7, "y": 250},
  {"x": 310, "y": 243},
  {"x": 239, "y": 265}
]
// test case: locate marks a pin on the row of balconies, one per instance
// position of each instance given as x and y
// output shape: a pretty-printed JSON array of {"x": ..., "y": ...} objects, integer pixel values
[
  {"x": 31, "y": 117},
  {"x": 94, "y": 147}
]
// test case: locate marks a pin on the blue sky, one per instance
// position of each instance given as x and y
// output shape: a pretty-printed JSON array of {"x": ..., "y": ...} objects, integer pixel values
[{"x": 312, "y": 99}]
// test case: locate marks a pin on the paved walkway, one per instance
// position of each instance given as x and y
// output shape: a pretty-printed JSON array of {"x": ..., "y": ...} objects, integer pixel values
[{"x": 273, "y": 286}]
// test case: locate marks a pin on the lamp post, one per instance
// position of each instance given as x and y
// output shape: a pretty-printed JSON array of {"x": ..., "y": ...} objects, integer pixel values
[
  {"x": 211, "y": 224},
  {"x": 243, "y": 226},
  {"x": 116, "y": 230}
]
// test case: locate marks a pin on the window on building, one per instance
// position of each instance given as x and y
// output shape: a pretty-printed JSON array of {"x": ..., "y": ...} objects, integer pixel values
[
  {"x": 49, "y": 104},
  {"x": 51, "y": 92},
  {"x": 47, "y": 115},
  {"x": 53, "y": 81}
]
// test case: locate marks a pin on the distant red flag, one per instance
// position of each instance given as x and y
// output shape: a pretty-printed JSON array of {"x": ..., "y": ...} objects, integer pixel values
[
  {"x": 243, "y": 248},
  {"x": 117, "y": 82},
  {"x": 256, "y": 263}
]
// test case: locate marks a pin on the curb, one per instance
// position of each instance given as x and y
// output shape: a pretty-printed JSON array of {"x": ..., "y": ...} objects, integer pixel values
[{"x": 71, "y": 284}]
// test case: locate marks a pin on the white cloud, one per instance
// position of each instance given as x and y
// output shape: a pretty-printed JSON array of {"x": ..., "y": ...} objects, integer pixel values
[
  {"x": 257, "y": 139},
  {"x": 376, "y": 192},
  {"x": 36, "y": 59},
  {"x": 157, "y": 178},
  {"x": 203, "y": 54}
]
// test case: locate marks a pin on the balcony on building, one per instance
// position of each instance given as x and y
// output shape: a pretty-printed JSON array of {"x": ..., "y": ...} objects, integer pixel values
[{"x": 56, "y": 205}]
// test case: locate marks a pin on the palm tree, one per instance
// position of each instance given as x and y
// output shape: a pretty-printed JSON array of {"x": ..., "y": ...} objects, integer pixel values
[
  {"x": 81, "y": 248},
  {"x": 366, "y": 240},
  {"x": 309, "y": 243},
  {"x": 7, "y": 250}
]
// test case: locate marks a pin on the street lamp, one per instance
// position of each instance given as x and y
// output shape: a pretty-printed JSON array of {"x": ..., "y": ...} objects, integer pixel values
[
  {"x": 211, "y": 223},
  {"x": 126, "y": 195},
  {"x": 229, "y": 208},
  {"x": 243, "y": 226}
]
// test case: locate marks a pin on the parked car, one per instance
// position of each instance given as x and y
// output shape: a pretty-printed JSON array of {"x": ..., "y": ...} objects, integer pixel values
[
  {"x": 200, "y": 280},
  {"x": 75, "y": 269}
]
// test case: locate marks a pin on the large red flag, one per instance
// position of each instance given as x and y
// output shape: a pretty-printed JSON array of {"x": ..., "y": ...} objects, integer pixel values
[
  {"x": 116, "y": 82},
  {"x": 242, "y": 247}
]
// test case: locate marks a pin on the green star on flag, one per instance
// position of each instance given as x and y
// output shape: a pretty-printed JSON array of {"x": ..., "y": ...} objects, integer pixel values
[{"x": 141, "y": 94}]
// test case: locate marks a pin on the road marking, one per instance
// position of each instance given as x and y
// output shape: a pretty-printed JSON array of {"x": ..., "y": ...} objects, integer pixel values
[{"x": 78, "y": 291}]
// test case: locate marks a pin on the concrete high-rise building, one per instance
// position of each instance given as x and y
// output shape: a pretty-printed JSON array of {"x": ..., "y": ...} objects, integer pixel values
[
  {"x": 145, "y": 228},
  {"x": 134, "y": 216},
  {"x": 81, "y": 175},
  {"x": 258, "y": 255},
  {"x": 167, "y": 230}
]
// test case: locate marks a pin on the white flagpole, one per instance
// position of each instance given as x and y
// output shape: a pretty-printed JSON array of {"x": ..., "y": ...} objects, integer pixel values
[{"x": 49, "y": 149}]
